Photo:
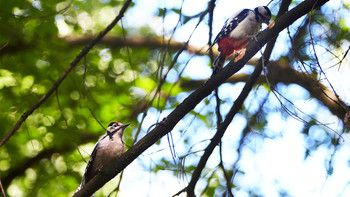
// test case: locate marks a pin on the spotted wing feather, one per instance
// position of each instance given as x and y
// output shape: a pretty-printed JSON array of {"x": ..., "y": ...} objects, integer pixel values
[
  {"x": 90, "y": 166},
  {"x": 231, "y": 24}
]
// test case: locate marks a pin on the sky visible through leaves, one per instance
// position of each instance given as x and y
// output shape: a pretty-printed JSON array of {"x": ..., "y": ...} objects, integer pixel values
[{"x": 283, "y": 155}]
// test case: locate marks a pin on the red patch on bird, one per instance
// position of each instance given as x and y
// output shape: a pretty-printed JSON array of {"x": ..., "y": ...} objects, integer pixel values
[{"x": 228, "y": 45}]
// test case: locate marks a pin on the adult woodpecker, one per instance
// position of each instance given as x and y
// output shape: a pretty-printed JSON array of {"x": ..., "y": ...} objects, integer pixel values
[
  {"x": 237, "y": 32},
  {"x": 106, "y": 152}
]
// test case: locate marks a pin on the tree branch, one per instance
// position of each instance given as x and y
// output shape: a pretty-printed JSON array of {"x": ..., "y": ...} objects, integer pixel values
[
  {"x": 65, "y": 74},
  {"x": 233, "y": 111},
  {"x": 222, "y": 128},
  {"x": 281, "y": 72},
  {"x": 195, "y": 97},
  {"x": 137, "y": 42}
]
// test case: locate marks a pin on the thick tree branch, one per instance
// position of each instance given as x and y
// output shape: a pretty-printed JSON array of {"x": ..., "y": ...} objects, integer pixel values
[
  {"x": 221, "y": 130},
  {"x": 65, "y": 74},
  {"x": 233, "y": 111},
  {"x": 117, "y": 42},
  {"x": 195, "y": 97},
  {"x": 137, "y": 42},
  {"x": 237, "y": 105},
  {"x": 281, "y": 72}
]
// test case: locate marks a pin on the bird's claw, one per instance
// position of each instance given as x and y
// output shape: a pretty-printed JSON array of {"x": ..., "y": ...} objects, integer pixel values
[{"x": 241, "y": 54}]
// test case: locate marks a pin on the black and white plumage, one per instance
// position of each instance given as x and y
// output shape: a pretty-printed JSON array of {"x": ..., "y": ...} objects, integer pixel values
[
  {"x": 238, "y": 30},
  {"x": 106, "y": 151}
]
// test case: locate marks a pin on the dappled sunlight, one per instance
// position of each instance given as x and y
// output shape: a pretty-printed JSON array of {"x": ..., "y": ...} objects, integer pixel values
[
  {"x": 69, "y": 68},
  {"x": 63, "y": 28}
]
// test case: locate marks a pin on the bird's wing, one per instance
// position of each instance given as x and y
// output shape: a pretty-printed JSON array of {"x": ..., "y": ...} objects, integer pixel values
[
  {"x": 88, "y": 175},
  {"x": 230, "y": 24}
]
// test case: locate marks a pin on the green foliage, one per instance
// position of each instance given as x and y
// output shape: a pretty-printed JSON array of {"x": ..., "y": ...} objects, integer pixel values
[{"x": 119, "y": 83}]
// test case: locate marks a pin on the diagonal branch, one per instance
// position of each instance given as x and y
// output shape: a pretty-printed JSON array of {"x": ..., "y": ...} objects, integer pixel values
[
  {"x": 65, "y": 74},
  {"x": 234, "y": 109},
  {"x": 221, "y": 130},
  {"x": 280, "y": 72},
  {"x": 195, "y": 97}
]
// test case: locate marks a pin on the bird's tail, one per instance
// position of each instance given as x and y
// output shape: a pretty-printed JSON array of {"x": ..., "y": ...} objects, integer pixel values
[
  {"x": 82, "y": 184},
  {"x": 218, "y": 64},
  {"x": 79, "y": 188}
]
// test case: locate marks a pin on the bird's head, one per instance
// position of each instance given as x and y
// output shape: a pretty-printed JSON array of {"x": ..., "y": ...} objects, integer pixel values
[
  {"x": 263, "y": 13},
  {"x": 116, "y": 128}
]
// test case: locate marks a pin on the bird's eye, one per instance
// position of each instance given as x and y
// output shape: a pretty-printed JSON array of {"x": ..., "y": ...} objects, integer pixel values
[{"x": 115, "y": 125}]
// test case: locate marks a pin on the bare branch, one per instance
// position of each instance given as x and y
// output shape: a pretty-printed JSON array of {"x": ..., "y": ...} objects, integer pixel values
[
  {"x": 65, "y": 74},
  {"x": 226, "y": 176},
  {"x": 280, "y": 72},
  {"x": 235, "y": 108},
  {"x": 137, "y": 42},
  {"x": 2, "y": 189},
  {"x": 195, "y": 97}
]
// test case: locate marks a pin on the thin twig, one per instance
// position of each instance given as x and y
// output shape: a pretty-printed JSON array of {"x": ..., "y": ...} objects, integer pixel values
[
  {"x": 321, "y": 69},
  {"x": 86, "y": 97},
  {"x": 198, "y": 95},
  {"x": 235, "y": 108},
  {"x": 68, "y": 128},
  {"x": 163, "y": 79},
  {"x": 226, "y": 176},
  {"x": 118, "y": 185},
  {"x": 65, "y": 74},
  {"x": 2, "y": 189}
]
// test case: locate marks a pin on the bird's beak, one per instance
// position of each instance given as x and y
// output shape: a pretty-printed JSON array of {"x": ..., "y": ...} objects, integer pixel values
[{"x": 124, "y": 125}]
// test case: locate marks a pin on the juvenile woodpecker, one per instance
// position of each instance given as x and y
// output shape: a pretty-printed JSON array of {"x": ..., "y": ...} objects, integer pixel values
[
  {"x": 237, "y": 32},
  {"x": 106, "y": 151}
]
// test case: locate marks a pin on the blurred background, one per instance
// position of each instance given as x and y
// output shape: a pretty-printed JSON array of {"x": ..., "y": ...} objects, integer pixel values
[{"x": 287, "y": 140}]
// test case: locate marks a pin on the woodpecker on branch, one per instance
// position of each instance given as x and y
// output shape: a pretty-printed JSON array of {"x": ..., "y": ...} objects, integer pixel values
[
  {"x": 106, "y": 152},
  {"x": 237, "y": 32}
]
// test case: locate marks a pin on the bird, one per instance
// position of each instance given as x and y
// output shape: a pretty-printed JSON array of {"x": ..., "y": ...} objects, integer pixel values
[
  {"x": 106, "y": 151},
  {"x": 237, "y": 32}
]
